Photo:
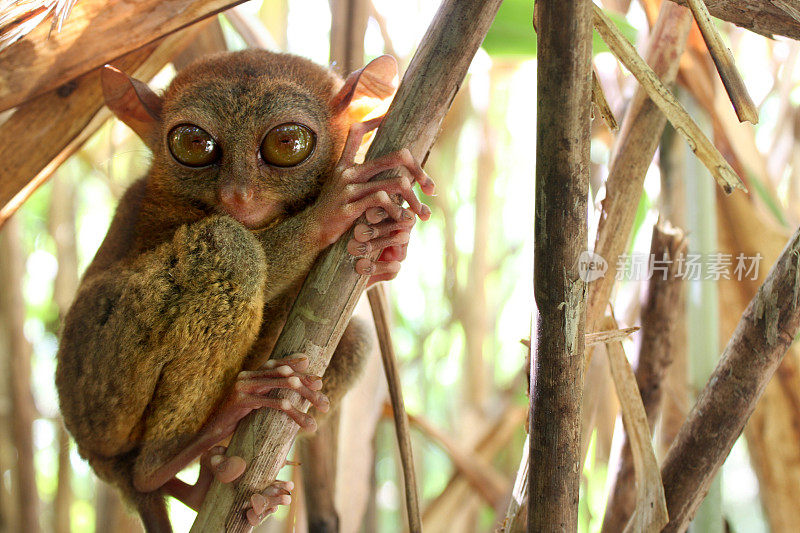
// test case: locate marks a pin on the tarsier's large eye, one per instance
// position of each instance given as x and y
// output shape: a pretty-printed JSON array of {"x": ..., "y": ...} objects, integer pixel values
[
  {"x": 193, "y": 146},
  {"x": 288, "y": 145}
]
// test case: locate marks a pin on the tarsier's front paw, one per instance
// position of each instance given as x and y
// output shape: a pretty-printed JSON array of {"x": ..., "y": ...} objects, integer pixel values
[{"x": 350, "y": 194}]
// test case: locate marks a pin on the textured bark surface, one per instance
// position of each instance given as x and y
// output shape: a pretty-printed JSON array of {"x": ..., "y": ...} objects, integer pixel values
[
  {"x": 332, "y": 288},
  {"x": 767, "y": 17},
  {"x": 655, "y": 354},
  {"x": 562, "y": 186},
  {"x": 762, "y": 337}
]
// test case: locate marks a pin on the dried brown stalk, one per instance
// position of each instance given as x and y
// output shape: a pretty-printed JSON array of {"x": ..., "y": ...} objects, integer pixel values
[
  {"x": 655, "y": 354},
  {"x": 723, "y": 59},
  {"x": 766, "y": 17},
  {"x": 599, "y": 100},
  {"x": 562, "y": 186},
  {"x": 754, "y": 352},
  {"x": 380, "y": 306},
  {"x": 332, "y": 288},
  {"x": 669, "y": 105},
  {"x": 602, "y": 337},
  {"x": 636, "y": 145},
  {"x": 650, "y": 513}
]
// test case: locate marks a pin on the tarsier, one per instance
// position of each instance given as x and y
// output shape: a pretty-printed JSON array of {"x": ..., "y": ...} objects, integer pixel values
[{"x": 166, "y": 345}]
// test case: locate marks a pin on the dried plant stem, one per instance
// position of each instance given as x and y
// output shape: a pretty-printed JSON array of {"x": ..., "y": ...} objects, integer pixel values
[
  {"x": 723, "y": 59},
  {"x": 669, "y": 105},
  {"x": 599, "y": 100},
  {"x": 650, "y": 513},
  {"x": 379, "y": 306}
]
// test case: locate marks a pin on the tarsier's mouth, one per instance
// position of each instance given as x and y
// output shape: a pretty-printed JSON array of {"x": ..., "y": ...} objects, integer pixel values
[{"x": 253, "y": 216}]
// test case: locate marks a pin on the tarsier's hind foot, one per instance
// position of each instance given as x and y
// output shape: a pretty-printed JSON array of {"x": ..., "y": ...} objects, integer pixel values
[{"x": 264, "y": 504}]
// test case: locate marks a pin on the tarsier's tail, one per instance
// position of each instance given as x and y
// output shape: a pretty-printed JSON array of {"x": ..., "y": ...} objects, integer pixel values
[{"x": 153, "y": 510}]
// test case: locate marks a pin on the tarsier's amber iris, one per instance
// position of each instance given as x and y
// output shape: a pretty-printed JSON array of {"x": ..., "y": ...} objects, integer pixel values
[
  {"x": 288, "y": 145},
  {"x": 193, "y": 146}
]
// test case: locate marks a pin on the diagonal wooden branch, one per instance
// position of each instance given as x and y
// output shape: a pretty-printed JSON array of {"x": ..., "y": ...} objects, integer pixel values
[
  {"x": 723, "y": 59},
  {"x": 762, "y": 337},
  {"x": 332, "y": 288}
]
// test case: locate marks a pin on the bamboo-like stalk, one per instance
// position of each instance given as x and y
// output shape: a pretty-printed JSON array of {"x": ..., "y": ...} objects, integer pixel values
[
  {"x": 560, "y": 229},
  {"x": 380, "y": 306},
  {"x": 666, "y": 101},
  {"x": 332, "y": 287},
  {"x": 762, "y": 337},
  {"x": 723, "y": 59}
]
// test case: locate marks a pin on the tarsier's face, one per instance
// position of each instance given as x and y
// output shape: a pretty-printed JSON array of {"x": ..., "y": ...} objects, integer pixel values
[{"x": 248, "y": 138}]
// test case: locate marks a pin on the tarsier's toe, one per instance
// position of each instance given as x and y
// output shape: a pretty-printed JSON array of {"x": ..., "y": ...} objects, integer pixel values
[{"x": 266, "y": 503}]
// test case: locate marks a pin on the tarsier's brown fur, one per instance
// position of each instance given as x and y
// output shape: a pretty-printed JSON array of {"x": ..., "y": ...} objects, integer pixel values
[{"x": 180, "y": 298}]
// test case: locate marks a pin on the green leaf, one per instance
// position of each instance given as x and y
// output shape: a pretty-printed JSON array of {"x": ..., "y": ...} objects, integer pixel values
[{"x": 512, "y": 37}]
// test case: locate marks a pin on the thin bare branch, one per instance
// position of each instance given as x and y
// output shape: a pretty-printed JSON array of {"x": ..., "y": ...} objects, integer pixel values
[{"x": 723, "y": 59}]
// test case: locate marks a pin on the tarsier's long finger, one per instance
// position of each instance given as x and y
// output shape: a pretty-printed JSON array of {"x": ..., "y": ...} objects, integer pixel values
[
  {"x": 358, "y": 249},
  {"x": 365, "y": 267},
  {"x": 266, "y": 503},
  {"x": 302, "y": 419},
  {"x": 394, "y": 253},
  {"x": 354, "y": 138},
  {"x": 254, "y": 383},
  {"x": 399, "y": 185},
  {"x": 369, "y": 232},
  {"x": 377, "y": 199},
  {"x": 298, "y": 362},
  {"x": 401, "y": 158}
]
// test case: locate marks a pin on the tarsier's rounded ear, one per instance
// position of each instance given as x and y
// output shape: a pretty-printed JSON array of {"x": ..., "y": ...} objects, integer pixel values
[
  {"x": 377, "y": 81},
  {"x": 131, "y": 101}
]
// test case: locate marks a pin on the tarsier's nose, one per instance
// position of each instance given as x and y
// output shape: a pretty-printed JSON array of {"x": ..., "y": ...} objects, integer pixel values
[{"x": 240, "y": 201}]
